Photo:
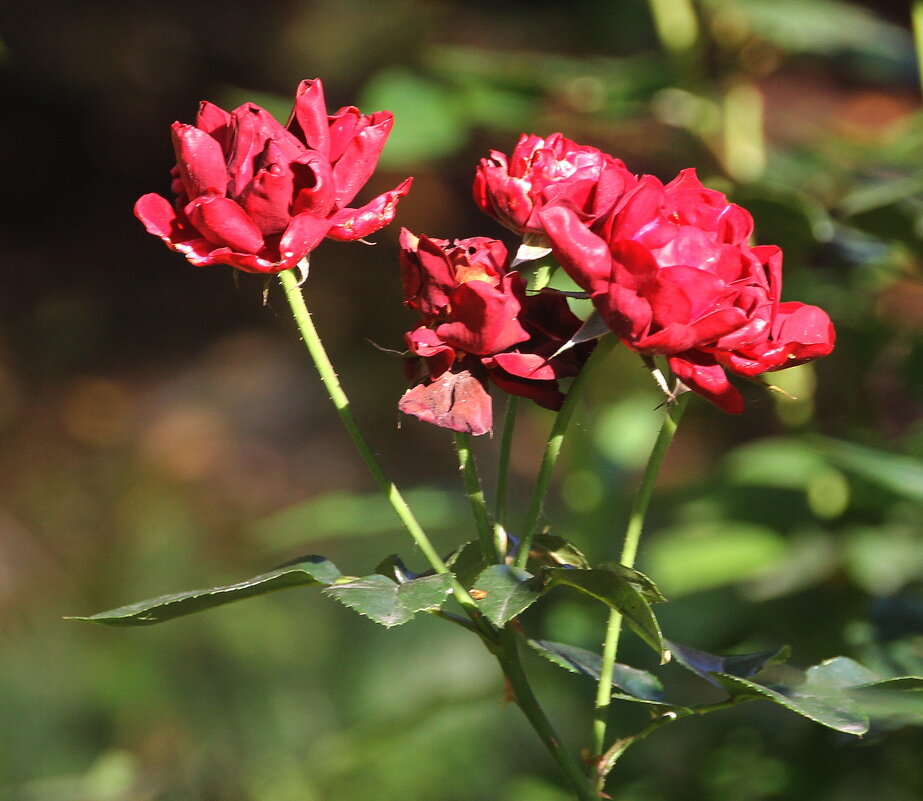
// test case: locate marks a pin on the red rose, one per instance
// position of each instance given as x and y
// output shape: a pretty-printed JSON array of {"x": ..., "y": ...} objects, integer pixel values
[
  {"x": 540, "y": 171},
  {"x": 670, "y": 271},
  {"x": 259, "y": 196},
  {"x": 479, "y": 325}
]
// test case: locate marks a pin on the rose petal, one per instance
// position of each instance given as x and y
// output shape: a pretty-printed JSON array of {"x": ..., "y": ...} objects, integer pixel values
[
  {"x": 483, "y": 319},
  {"x": 215, "y": 121},
  {"x": 583, "y": 255},
  {"x": 199, "y": 161},
  {"x": 224, "y": 222},
  {"x": 709, "y": 381},
  {"x": 303, "y": 234},
  {"x": 309, "y": 117},
  {"x": 347, "y": 225},
  {"x": 268, "y": 198},
  {"x": 357, "y": 163},
  {"x": 456, "y": 400}
]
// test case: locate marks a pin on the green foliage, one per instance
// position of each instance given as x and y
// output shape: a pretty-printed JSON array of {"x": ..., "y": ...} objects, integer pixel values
[
  {"x": 387, "y": 602},
  {"x": 305, "y": 572},
  {"x": 504, "y": 591},
  {"x": 627, "y": 591},
  {"x": 742, "y": 665},
  {"x": 633, "y": 682}
]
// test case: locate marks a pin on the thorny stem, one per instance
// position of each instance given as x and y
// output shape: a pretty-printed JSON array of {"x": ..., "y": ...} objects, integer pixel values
[
  {"x": 331, "y": 382},
  {"x": 503, "y": 459},
  {"x": 629, "y": 552},
  {"x": 508, "y": 656},
  {"x": 489, "y": 547},
  {"x": 553, "y": 446},
  {"x": 608, "y": 760},
  {"x": 541, "y": 277},
  {"x": 506, "y": 644}
]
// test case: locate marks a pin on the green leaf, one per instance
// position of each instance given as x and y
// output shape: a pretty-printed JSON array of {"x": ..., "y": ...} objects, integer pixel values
[
  {"x": 384, "y": 601},
  {"x": 705, "y": 664},
  {"x": 504, "y": 591},
  {"x": 838, "y": 693},
  {"x": 835, "y": 710},
  {"x": 838, "y": 673},
  {"x": 467, "y": 563},
  {"x": 306, "y": 571},
  {"x": 639, "y": 684},
  {"x": 549, "y": 550},
  {"x": 618, "y": 590},
  {"x": 642, "y": 583}
]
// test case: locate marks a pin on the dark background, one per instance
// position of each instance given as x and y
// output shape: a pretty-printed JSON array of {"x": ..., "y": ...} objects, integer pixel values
[{"x": 160, "y": 428}]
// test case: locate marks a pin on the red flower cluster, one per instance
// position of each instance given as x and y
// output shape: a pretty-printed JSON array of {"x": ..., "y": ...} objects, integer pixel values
[
  {"x": 544, "y": 171},
  {"x": 479, "y": 324},
  {"x": 259, "y": 196},
  {"x": 670, "y": 270}
]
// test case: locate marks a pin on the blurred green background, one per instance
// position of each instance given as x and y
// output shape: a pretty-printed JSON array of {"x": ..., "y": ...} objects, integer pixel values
[{"x": 160, "y": 428}]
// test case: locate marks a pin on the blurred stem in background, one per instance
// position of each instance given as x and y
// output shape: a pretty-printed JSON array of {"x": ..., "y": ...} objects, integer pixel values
[
  {"x": 916, "y": 14},
  {"x": 744, "y": 151},
  {"x": 677, "y": 27}
]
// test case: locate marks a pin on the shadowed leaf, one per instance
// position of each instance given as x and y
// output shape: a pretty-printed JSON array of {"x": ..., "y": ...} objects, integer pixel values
[
  {"x": 639, "y": 684},
  {"x": 705, "y": 664},
  {"x": 618, "y": 590}
]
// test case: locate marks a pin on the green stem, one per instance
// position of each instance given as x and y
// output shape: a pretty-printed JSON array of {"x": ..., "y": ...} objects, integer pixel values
[
  {"x": 916, "y": 16},
  {"x": 607, "y": 762},
  {"x": 332, "y": 384},
  {"x": 629, "y": 552},
  {"x": 503, "y": 459},
  {"x": 510, "y": 661},
  {"x": 541, "y": 277},
  {"x": 475, "y": 494},
  {"x": 553, "y": 446}
]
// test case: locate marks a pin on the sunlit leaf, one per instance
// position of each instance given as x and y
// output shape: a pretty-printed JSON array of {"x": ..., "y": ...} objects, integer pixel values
[
  {"x": 504, "y": 591},
  {"x": 549, "y": 550},
  {"x": 838, "y": 693},
  {"x": 838, "y": 711},
  {"x": 386, "y": 602},
  {"x": 308, "y": 570}
]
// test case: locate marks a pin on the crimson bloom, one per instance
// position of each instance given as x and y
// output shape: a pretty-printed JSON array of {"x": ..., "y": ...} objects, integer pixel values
[
  {"x": 671, "y": 272},
  {"x": 478, "y": 324},
  {"x": 540, "y": 171},
  {"x": 259, "y": 196}
]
